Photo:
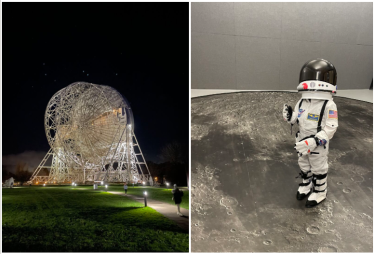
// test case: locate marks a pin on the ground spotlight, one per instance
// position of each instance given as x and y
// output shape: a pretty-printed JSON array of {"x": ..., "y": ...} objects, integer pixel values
[{"x": 145, "y": 198}]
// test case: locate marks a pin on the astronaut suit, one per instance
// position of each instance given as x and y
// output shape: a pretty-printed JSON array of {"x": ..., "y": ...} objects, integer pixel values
[{"x": 317, "y": 117}]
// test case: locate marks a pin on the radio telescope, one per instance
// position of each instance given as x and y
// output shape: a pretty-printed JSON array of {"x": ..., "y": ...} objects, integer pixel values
[{"x": 90, "y": 129}]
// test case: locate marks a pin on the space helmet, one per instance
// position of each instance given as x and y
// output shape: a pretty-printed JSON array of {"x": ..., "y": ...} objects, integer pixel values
[{"x": 317, "y": 80}]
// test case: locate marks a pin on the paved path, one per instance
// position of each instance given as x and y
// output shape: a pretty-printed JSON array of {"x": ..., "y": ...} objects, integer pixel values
[{"x": 169, "y": 211}]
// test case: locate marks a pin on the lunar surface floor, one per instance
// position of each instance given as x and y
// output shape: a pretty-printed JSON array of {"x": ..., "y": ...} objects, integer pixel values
[{"x": 244, "y": 186}]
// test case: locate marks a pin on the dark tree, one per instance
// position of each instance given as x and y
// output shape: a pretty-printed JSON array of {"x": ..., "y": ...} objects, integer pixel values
[
  {"x": 176, "y": 159},
  {"x": 22, "y": 174},
  {"x": 44, "y": 172},
  {"x": 172, "y": 152},
  {"x": 6, "y": 174}
]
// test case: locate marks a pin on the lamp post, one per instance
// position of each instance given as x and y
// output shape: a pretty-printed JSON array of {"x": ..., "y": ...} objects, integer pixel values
[{"x": 145, "y": 199}]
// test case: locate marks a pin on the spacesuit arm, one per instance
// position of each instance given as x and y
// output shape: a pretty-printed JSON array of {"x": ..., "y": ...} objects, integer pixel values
[
  {"x": 293, "y": 118},
  {"x": 331, "y": 126},
  {"x": 294, "y": 114}
]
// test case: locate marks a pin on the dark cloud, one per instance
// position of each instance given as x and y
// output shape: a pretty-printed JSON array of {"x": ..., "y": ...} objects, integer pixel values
[{"x": 31, "y": 158}]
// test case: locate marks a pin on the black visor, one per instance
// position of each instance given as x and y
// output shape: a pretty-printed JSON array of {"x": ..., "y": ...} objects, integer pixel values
[{"x": 318, "y": 69}]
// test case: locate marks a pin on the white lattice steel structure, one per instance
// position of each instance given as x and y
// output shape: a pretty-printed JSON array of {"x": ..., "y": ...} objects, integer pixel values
[{"x": 90, "y": 129}]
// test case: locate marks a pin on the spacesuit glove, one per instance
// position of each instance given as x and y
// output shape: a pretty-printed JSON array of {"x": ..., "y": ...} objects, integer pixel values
[
  {"x": 287, "y": 112},
  {"x": 306, "y": 146}
]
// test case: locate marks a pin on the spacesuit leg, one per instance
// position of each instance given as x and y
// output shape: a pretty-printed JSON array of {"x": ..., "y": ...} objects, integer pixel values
[
  {"x": 306, "y": 186},
  {"x": 319, "y": 167}
]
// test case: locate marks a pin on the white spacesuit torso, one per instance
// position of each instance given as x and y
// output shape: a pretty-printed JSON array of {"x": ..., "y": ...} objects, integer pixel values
[{"x": 308, "y": 117}]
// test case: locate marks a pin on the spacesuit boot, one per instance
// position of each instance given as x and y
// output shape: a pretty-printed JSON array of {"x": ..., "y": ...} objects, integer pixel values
[
  {"x": 306, "y": 187},
  {"x": 319, "y": 191}
]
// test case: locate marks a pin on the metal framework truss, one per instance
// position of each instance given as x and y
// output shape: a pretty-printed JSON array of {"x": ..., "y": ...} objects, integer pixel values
[{"x": 90, "y": 129}]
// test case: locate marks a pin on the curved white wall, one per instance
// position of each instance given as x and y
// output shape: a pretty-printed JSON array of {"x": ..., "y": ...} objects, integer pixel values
[{"x": 262, "y": 46}]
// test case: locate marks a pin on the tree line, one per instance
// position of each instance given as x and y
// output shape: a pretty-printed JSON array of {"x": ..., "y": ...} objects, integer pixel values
[{"x": 174, "y": 169}]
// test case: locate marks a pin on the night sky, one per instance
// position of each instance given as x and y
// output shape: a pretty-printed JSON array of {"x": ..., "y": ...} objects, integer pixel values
[{"x": 140, "y": 49}]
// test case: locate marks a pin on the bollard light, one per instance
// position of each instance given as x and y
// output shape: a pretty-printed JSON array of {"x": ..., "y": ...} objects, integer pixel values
[
  {"x": 72, "y": 184},
  {"x": 143, "y": 183},
  {"x": 43, "y": 184},
  {"x": 102, "y": 182},
  {"x": 145, "y": 199},
  {"x": 106, "y": 187}
]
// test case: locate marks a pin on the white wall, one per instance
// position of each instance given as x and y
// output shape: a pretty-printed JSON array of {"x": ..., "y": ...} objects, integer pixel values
[{"x": 262, "y": 46}]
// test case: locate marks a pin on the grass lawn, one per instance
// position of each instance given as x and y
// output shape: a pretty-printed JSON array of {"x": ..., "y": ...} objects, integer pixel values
[
  {"x": 37, "y": 219},
  {"x": 155, "y": 193}
]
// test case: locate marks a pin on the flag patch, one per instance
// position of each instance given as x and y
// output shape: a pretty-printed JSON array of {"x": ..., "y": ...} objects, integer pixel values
[
  {"x": 300, "y": 112},
  {"x": 322, "y": 142},
  {"x": 313, "y": 117},
  {"x": 333, "y": 114}
]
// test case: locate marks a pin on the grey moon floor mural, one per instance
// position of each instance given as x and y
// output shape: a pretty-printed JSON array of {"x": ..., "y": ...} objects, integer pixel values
[{"x": 243, "y": 178}]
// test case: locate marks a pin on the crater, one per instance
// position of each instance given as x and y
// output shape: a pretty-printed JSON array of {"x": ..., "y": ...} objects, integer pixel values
[
  {"x": 313, "y": 230},
  {"x": 267, "y": 242},
  {"x": 228, "y": 201},
  {"x": 327, "y": 249}
]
